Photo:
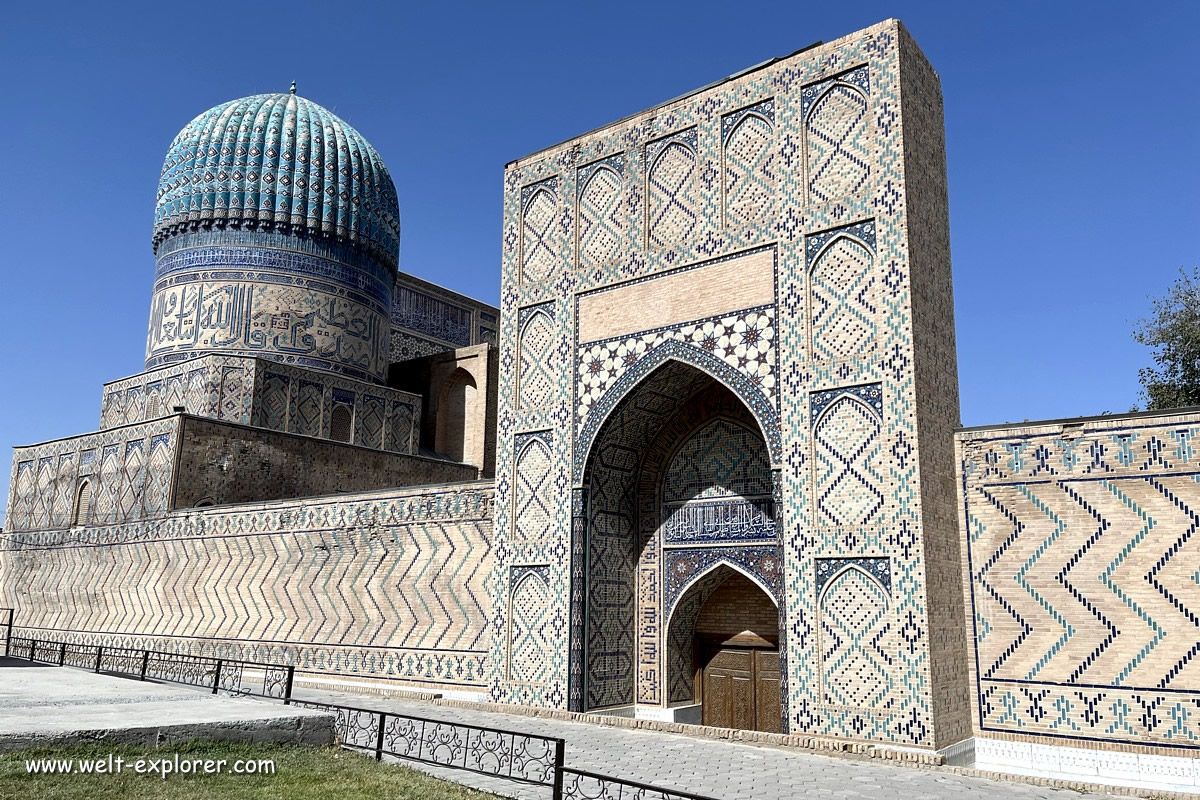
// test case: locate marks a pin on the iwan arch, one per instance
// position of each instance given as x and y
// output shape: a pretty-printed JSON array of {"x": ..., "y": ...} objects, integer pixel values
[{"x": 699, "y": 466}]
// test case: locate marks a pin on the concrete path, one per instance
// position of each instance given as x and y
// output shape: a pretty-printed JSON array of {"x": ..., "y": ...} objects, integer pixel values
[
  {"x": 42, "y": 704},
  {"x": 719, "y": 769}
]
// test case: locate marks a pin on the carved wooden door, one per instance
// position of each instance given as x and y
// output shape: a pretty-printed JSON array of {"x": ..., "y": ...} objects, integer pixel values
[{"x": 740, "y": 689}]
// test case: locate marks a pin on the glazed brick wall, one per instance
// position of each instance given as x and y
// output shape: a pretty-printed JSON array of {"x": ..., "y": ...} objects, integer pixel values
[
  {"x": 224, "y": 463},
  {"x": 1083, "y": 580},
  {"x": 339, "y": 586}
]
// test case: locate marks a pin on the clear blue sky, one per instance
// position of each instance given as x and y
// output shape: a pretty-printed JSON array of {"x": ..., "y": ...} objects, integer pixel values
[{"x": 1072, "y": 132}]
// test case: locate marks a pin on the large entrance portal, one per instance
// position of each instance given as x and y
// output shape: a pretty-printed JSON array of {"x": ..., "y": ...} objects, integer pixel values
[{"x": 682, "y": 562}]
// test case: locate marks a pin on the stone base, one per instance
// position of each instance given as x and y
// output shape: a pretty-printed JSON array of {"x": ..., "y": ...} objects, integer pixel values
[
  {"x": 46, "y": 705},
  {"x": 1089, "y": 765}
]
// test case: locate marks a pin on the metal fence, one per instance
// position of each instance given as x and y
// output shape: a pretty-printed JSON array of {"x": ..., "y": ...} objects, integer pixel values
[
  {"x": 505, "y": 754},
  {"x": 246, "y": 678}
]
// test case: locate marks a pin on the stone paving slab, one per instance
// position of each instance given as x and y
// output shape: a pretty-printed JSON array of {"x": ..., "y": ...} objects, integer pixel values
[
  {"x": 723, "y": 770},
  {"x": 42, "y": 704}
]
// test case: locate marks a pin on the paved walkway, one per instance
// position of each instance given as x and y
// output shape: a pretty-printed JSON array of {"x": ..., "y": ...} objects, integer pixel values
[
  {"x": 720, "y": 769},
  {"x": 40, "y": 704}
]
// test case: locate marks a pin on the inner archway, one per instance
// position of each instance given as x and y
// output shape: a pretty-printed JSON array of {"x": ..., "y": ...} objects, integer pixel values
[
  {"x": 678, "y": 480},
  {"x": 723, "y": 652}
]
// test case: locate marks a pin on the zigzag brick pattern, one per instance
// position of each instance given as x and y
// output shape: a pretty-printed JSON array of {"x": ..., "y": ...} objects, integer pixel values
[
  {"x": 1082, "y": 549},
  {"x": 387, "y": 585}
]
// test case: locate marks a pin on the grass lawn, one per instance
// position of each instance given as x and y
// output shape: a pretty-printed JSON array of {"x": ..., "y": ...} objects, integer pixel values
[{"x": 301, "y": 773}]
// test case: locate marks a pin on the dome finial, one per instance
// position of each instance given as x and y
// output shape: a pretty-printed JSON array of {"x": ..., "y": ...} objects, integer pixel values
[{"x": 293, "y": 87}]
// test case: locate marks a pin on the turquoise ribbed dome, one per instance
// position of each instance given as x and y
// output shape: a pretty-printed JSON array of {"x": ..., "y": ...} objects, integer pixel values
[{"x": 278, "y": 161}]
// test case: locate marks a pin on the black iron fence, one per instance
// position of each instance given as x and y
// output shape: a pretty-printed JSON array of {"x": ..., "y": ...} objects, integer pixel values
[
  {"x": 510, "y": 755},
  {"x": 514, "y": 756},
  {"x": 246, "y": 678}
]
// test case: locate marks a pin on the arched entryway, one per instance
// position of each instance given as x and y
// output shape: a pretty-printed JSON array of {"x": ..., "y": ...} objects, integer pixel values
[
  {"x": 677, "y": 500},
  {"x": 723, "y": 652}
]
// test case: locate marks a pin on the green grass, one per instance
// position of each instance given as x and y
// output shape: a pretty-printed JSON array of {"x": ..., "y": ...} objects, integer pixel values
[{"x": 301, "y": 773}]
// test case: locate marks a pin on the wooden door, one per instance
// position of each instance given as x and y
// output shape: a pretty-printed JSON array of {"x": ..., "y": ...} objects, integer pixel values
[{"x": 740, "y": 689}]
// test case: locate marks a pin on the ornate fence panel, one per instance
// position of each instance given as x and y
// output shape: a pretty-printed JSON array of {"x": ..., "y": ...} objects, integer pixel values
[
  {"x": 581, "y": 785},
  {"x": 243, "y": 678},
  {"x": 511, "y": 755},
  {"x": 515, "y": 756}
]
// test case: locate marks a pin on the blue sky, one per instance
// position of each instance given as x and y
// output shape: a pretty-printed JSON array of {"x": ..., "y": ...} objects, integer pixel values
[{"x": 1071, "y": 139}]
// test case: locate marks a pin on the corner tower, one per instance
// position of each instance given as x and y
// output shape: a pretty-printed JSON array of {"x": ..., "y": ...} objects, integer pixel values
[{"x": 276, "y": 234}]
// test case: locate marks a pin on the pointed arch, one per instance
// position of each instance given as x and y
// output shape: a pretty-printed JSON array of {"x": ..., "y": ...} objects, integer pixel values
[
  {"x": 844, "y": 300},
  {"x": 749, "y": 171},
  {"x": 679, "y": 646},
  {"x": 529, "y": 636},
  {"x": 837, "y": 142},
  {"x": 848, "y": 464},
  {"x": 534, "y": 501},
  {"x": 81, "y": 513},
  {"x": 535, "y": 380},
  {"x": 601, "y": 220},
  {"x": 341, "y": 423},
  {"x": 672, "y": 209},
  {"x": 539, "y": 251},
  {"x": 750, "y": 393},
  {"x": 855, "y": 644}
]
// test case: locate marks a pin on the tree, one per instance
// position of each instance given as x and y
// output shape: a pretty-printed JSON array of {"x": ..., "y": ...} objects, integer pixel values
[{"x": 1172, "y": 331}]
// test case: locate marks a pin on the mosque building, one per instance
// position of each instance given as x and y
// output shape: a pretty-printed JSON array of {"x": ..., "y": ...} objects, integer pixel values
[{"x": 702, "y": 465}]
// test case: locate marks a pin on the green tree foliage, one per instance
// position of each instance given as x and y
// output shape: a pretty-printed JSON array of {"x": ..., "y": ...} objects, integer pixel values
[{"x": 1172, "y": 331}]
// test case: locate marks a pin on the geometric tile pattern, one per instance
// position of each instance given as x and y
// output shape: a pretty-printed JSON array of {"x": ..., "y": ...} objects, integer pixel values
[
  {"x": 530, "y": 634},
  {"x": 602, "y": 224},
  {"x": 136, "y": 465},
  {"x": 856, "y": 659},
  {"x": 538, "y": 223},
  {"x": 538, "y": 341},
  {"x": 840, "y": 156},
  {"x": 255, "y": 391},
  {"x": 836, "y": 128},
  {"x": 534, "y": 466},
  {"x": 750, "y": 179},
  {"x": 745, "y": 340},
  {"x": 387, "y": 584},
  {"x": 1085, "y": 594},
  {"x": 671, "y": 179},
  {"x": 849, "y": 478},
  {"x": 844, "y": 297}
]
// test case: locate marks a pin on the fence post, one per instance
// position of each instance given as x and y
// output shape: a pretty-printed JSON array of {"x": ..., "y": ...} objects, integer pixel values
[
  {"x": 379, "y": 737},
  {"x": 217, "y": 677},
  {"x": 62, "y": 653},
  {"x": 32, "y": 648},
  {"x": 145, "y": 663},
  {"x": 287, "y": 689},
  {"x": 560, "y": 746},
  {"x": 8, "y": 634},
  {"x": 99, "y": 655}
]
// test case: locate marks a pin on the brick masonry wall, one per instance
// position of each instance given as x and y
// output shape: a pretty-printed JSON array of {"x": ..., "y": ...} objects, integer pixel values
[
  {"x": 1083, "y": 588},
  {"x": 936, "y": 378},
  {"x": 802, "y": 164},
  {"x": 129, "y": 470},
  {"x": 737, "y": 607},
  {"x": 223, "y": 463},
  {"x": 341, "y": 586}
]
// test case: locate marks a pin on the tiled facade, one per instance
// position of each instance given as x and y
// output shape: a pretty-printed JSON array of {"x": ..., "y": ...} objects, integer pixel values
[
  {"x": 388, "y": 585},
  {"x": 1083, "y": 581},
  {"x": 760, "y": 236},
  {"x": 264, "y": 393},
  {"x": 724, "y": 391}
]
